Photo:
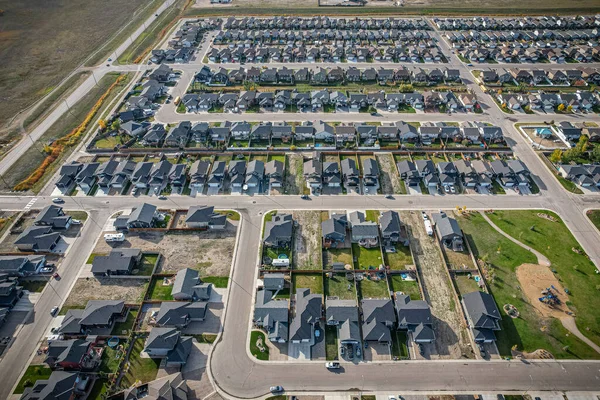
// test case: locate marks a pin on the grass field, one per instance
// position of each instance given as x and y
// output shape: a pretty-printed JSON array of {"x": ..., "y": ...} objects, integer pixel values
[
  {"x": 32, "y": 374},
  {"x": 339, "y": 255},
  {"x": 373, "y": 289},
  {"x": 525, "y": 331},
  {"x": 35, "y": 155},
  {"x": 366, "y": 258},
  {"x": 261, "y": 355},
  {"x": 400, "y": 259},
  {"x": 158, "y": 291},
  {"x": 594, "y": 216},
  {"x": 38, "y": 54},
  {"x": 124, "y": 328},
  {"x": 331, "y": 350},
  {"x": 399, "y": 347},
  {"x": 314, "y": 282},
  {"x": 217, "y": 281},
  {"x": 410, "y": 288},
  {"x": 340, "y": 287},
  {"x": 140, "y": 369}
]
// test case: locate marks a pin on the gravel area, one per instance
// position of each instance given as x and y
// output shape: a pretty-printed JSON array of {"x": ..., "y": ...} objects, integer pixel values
[
  {"x": 307, "y": 240},
  {"x": 390, "y": 180}
]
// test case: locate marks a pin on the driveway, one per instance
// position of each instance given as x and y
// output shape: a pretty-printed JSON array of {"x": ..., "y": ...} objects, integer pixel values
[
  {"x": 377, "y": 352},
  {"x": 299, "y": 351}
]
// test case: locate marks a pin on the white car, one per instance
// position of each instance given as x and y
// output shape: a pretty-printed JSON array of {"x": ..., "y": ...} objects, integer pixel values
[
  {"x": 54, "y": 311},
  {"x": 276, "y": 389},
  {"x": 76, "y": 222},
  {"x": 57, "y": 200},
  {"x": 332, "y": 365},
  {"x": 424, "y": 215}
]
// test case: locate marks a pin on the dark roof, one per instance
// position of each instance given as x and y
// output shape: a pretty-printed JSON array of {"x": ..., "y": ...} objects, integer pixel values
[
  {"x": 482, "y": 310},
  {"x": 179, "y": 313},
  {"x": 279, "y": 228},
  {"x": 118, "y": 260},
  {"x": 390, "y": 222},
  {"x": 144, "y": 213},
  {"x": 162, "y": 338},
  {"x": 70, "y": 351},
  {"x": 59, "y": 386},
  {"x": 99, "y": 312},
  {"x": 308, "y": 312},
  {"x": 412, "y": 312},
  {"x": 446, "y": 226},
  {"x": 271, "y": 314},
  {"x": 181, "y": 352},
  {"x": 187, "y": 281},
  {"x": 378, "y": 318},
  {"x": 40, "y": 237}
]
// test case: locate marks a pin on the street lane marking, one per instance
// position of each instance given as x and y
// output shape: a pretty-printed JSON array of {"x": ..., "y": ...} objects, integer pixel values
[{"x": 30, "y": 204}]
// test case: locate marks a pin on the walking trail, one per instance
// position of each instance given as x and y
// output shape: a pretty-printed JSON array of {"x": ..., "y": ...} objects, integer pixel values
[{"x": 567, "y": 321}]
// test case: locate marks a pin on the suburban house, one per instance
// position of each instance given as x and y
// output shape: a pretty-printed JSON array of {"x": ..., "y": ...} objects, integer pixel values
[
  {"x": 415, "y": 317},
  {"x": 59, "y": 385},
  {"x": 97, "y": 317},
  {"x": 272, "y": 315},
  {"x": 117, "y": 262},
  {"x": 308, "y": 313},
  {"x": 350, "y": 172},
  {"x": 255, "y": 174},
  {"x": 448, "y": 231},
  {"x": 344, "y": 315},
  {"x": 141, "y": 217},
  {"x": 365, "y": 233},
  {"x": 188, "y": 286},
  {"x": 73, "y": 355},
  {"x": 378, "y": 319},
  {"x": 274, "y": 173},
  {"x": 199, "y": 175},
  {"x": 370, "y": 173},
  {"x": 21, "y": 265},
  {"x": 39, "y": 239},
  {"x": 53, "y": 216},
  {"x": 482, "y": 315},
  {"x": 205, "y": 217},
  {"x": 180, "y": 314},
  {"x": 333, "y": 230},
  {"x": 278, "y": 231},
  {"x": 10, "y": 293},
  {"x": 313, "y": 174},
  {"x": 392, "y": 231},
  {"x": 172, "y": 386},
  {"x": 168, "y": 343}
]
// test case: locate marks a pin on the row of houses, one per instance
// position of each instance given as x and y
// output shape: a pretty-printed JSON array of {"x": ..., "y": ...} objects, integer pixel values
[
  {"x": 475, "y": 174},
  {"x": 523, "y": 23},
  {"x": 584, "y": 175},
  {"x": 325, "y": 22},
  {"x": 528, "y": 54},
  {"x": 284, "y": 75},
  {"x": 540, "y": 38},
  {"x": 319, "y": 100},
  {"x": 422, "y": 51},
  {"x": 319, "y": 174},
  {"x": 577, "y": 101},
  {"x": 540, "y": 76},
  {"x": 319, "y": 36},
  {"x": 182, "y": 46}
]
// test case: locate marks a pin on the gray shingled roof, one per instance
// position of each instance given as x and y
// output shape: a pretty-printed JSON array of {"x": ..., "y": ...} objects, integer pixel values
[
  {"x": 187, "y": 282},
  {"x": 482, "y": 310},
  {"x": 308, "y": 312},
  {"x": 179, "y": 313},
  {"x": 162, "y": 338},
  {"x": 378, "y": 318}
]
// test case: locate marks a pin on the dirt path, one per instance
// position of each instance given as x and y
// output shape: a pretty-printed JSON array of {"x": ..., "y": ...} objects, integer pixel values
[
  {"x": 390, "y": 180},
  {"x": 294, "y": 180},
  {"x": 542, "y": 259},
  {"x": 452, "y": 340},
  {"x": 307, "y": 240}
]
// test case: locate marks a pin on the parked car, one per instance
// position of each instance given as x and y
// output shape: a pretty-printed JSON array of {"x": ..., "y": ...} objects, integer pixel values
[
  {"x": 389, "y": 197},
  {"x": 424, "y": 215},
  {"x": 276, "y": 389},
  {"x": 421, "y": 349},
  {"x": 305, "y": 197},
  {"x": 54, "y": 311},
  {"x": 481, "y": 350},
  {"x": 56, "y": 275},
  {"x": 358, "y": 351},
  {"x": 332, "y": 365},
  {"x": 58, "y": 200},
  {"x": 46, "y": 270},
  {"x": 76, "y": 222},
  {"x": 162, "y": 197},
  {"x": 350, "y": 352},
  {"x": 342, "y": 351}
]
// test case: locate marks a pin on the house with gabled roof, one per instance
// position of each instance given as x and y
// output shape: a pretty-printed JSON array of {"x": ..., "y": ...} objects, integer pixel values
[
  {"x": 167, "y": 343},
  {"x": 278, "y": 231},
  {"x": 482, "y": 315},
  {"x": 189, "y": 287},
  {"x": 53, "y": 216},
  {"x": 308, "y": 313},
  {"x": 448, "y": 231},
  {"x": 98, "y": 316},
  {"x": 202, "y": 216},
  {"x": 179, "y": 314},
  {"x": 415, "y": 317},
  {"x": 344, "y": 315},
  {"x": 272, "y": 315},
  {"x": 378, "y": 318}
]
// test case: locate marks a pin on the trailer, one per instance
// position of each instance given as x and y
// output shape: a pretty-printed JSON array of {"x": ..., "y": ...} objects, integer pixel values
[{"x": 428, "y": 227}]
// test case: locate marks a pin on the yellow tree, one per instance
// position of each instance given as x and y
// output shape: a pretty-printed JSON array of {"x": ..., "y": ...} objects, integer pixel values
[
  {"x": 102, "y": 124},
  {"x": 561, "y": 107}
]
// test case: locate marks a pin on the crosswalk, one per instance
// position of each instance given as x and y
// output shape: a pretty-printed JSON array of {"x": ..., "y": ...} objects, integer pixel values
[{"x": 30, "y": 204}]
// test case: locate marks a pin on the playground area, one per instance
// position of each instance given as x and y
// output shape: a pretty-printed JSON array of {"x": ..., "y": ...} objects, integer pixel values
[{"x": 543, "y": 290}]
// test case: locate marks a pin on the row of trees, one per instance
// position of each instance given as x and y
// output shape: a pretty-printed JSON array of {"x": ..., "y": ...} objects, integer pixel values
[{"x": 577, "y": 153}]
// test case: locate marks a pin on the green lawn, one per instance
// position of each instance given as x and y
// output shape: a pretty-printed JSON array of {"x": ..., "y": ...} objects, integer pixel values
[
  {"x": 32, "y": 374},
  {"x": 399, "y": 347},
  {"x": 158, "y": 291},
  {"x": 110, "y": 359},
  {"x": 205, "y": 338},
  {"x": 339, "y": 255},
  {"x": 261, "y": 355},
  {"x": 274, "y": 252},
  {"x": 400, "y": 259},
  {"x": 331, "y": 348},
  {"x": 146, "y": 265},
  {"x": 340, "y": 287},
  {"x": 374, "y": 289},
  {"x": 410, "y": 288},
  {"x": 217, "y": 281},
  {"x": 372, "y": 215},
  {"x": 504, "y": 256},
  {"x": 99, "y": 390},
  {"x": 314, "y": 282},
  {"x": 34, "y": 286},
  {"x": 594, "y": 216},
  {"x": 125, "y": 326},
  {"x": 465, "y": 285},
  {"x": 232, "y": 215},
  {"x": 458, "y": 259},
  {"x": 142, "y": 369},
  {"x": 91, "y": 258},
  {"x": 79, "y": 215},
  {"x": 366, "y": 258}
]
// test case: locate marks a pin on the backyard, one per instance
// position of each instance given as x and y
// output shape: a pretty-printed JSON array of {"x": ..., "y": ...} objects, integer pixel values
[
  {"x": 465, "y": 284},
  {"x": 32, "y": 374},
  {"x": 366, "y": 257},
  {"x": 411, "y": 288},
  {"x": 400, "y": 259},
  {"x": 314, "y": 282},
  {"x": 158, "y": 290},
  {"x": 140, "y": 369},
  {"x": 340, "y": 287},
  {"x": 124, "y": 328},
  {"x": 374, "y": 289},
  {"x": 503, "y": 257},
  {"x": 338, "y": 256}
]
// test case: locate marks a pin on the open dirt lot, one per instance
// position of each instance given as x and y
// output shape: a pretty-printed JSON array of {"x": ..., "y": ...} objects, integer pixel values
[
  {"x": 294, "y": 169},
  {"x": 534, "y": 278},
  {"x": 85, "y": 289},
  {"x": 390, "y": 180},
  {"x": 452, "y": 340},
  {"x": 41, "y": 42},
  {"x": 307, "y": 240},
  {"x": 210, "y": 251}
]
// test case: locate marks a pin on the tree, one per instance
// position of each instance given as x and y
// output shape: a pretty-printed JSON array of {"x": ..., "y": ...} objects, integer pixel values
[
  {"x": 569, "y": 108},
  {"x": 561, "y": 107},
  {"x": 292, "y": 148},
  {"x": 464, "y": 142},
  {"x": 556, "y": 156},
  {"x": 595, "y": 154},
  {"x": 116, "y": 125},
  {"x": 102, "y": 124}
]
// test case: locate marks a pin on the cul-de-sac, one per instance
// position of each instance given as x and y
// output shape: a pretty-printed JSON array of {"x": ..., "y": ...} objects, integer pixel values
[{"x": 285, "y": 200}]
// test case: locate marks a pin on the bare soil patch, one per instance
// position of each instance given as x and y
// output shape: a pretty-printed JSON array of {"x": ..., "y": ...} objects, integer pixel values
[
  {"x": 535, "y": 278},
  {"x": 86, "y": 289},
  {"x": 294, "y": 170},
  {"x": 210, "y": 251},
  {"x": 307, "y": 240},
  {"x": 390, "y": 180}
]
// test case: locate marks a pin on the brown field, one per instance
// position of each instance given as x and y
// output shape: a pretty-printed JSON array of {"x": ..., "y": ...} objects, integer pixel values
[
  {"x": 43, "y": 41},
  {"x": 86, "y": 289}
]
